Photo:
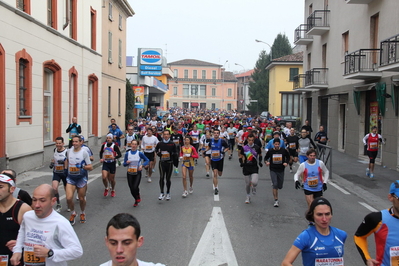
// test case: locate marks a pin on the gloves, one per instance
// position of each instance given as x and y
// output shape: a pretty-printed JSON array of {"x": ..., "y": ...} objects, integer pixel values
[
  {"x": 297, "y": 185},
  {"x": 324, "y": 186},
  {"x": 51, "y": 165},
  {"x": 260, "y": 164},
  {"x": 60, "y": 161}
]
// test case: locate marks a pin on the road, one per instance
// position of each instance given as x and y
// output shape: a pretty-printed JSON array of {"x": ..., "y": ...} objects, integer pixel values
[{"x": 204, "y": 229}]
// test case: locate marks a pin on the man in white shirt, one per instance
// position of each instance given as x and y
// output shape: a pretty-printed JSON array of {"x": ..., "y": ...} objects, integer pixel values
[{"x": 122, "y": 240}]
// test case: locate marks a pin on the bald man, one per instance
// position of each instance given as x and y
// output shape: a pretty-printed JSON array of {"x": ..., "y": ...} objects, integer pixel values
[
  {"x": 46, "y": 236},
  {"x": 73, "y": 129}
]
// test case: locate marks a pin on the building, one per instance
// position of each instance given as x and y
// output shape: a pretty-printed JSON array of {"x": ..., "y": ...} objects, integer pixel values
[
  {"x": 350, "y": 80},
  {"x": 114, "y": 16},
  {"x": 199, "y": 84},
  {"x": 243, "y": 80},
  {"x": 282, "y": 99},
  {"x": 50, "y": 71}
]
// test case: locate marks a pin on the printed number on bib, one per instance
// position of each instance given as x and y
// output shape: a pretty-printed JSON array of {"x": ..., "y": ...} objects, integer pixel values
[
  {"x": 394, "y": 254},
  {"x": 186, "y": 157},
  {"x": 3, "y": 260},
  {"x": 195, "y": 139},
  {"x": 31, "y": 259},
  {"x": 215, "y": 154},
  {"x": 373, "y": 145},
  {"x": 165, "y": 156},
  {"x": 292, "y": 146},
  {"x": 58, "y": 169},
  {"x": 277, "y": 158},
  {"x": 312, "y": 181},
  {"x": 132, "y": 169},
  {"x": 74, "y": 170},
  {"x": 148, "y": 148}
]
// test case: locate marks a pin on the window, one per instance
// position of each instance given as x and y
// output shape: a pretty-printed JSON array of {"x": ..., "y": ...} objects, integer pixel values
[
  {"x": 90, "y": 107},
  {"x": 120, "y": 22},
  {"x": 324, "y": 56},
  {"x": 202, "y": 105},
  {"x": 73, "y": 19},
  {"x": 174, "y": 104},
  {"x": 24, "y": 5},
  {"x": 203, "y": 91},
  {"x": 229, "y": 92},
  {"x": 290, "y": 104},
  {"x": 213, "y": 106},
  {"x": 52, "y": 13},
  {"x": 229, "y": 106},
  {"x": 174, "y": 90},
  {"x": 186, "y": 73},
  {"x": 120, "y": 53},
  {"x": 293, "y": 72},
  {"x": 194, "y": 90},
  {"x": 2, "y": 100},
  {"x": 109, "y": 100},
  {"x": 203, "y": 74},
  {"x": 73, "y": 93},
  {"x": 185, "y": 105},
  {"x": 213, "y": 92},
  {"x": 24, "y": 86},
  {"x": 119, "y": 102},
  {"x": 93, "y": 105},
  {"x": 93, "y": 26},
  {"x": 110, "y": 11},
  {"x": 176, "y": 73},
  {"x": 194, "y": 74},
  {"x": 213, "y": 74},
  {"x": 185, "y": 90},
  {"x": 345, "y": 43},
  {"x": 110, "y": 47},
  {"x": 47, "y": 106}
]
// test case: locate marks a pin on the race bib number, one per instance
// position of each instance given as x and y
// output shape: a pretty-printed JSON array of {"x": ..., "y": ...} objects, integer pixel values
[
  {"x": 176, "y": 141},
  {"x": 215, "y": 154},
  {"x": 108, "y": 156},
  {"x": 292, "y": 145},
  {"x": 231, "y": 134},
  {"x": 129, "y": 144},
  {"x": 277, "y": 158},
  {"x": 394, "y": 255},
  {"x": 329, "y": 262},
  {"x": 195, "y": 139},
  {"x": 165, "y": 156},
  {"x": 74, "y": 170},
  {"x": 3, "y": 260},
  {"x": 323, "y": 139},
  {"x": 186, "y": 157},
  {"x": 132, "y": 169},
  {"x": 58, "y": 169},
  {"x": 373, "y": 145},
  {"x": 148, "y": 147},
  {"x": 312, "y": 181},
  {"x": 31, "y": 260}
]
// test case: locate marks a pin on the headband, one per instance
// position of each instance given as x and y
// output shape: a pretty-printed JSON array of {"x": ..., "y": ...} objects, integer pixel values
[{"x": 7, "y": 179}]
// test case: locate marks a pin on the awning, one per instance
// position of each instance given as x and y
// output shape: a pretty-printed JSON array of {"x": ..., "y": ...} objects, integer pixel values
[
  {"x": 365, "y": 87},
  {"x": 194, "y": 104}
]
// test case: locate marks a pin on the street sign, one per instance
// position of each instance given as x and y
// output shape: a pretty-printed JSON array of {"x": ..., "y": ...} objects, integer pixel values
[
  {"x": 151, "y": 73},
  {"x": 253, "y": 101},
  {"x": 241, "y": 101},
  {"x": 145, "y": 67}
]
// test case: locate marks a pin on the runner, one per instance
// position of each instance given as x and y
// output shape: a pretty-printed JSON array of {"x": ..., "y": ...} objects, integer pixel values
[
  {"x": 320, "y": 244},
  {"x": 315, "y": 177},
  {"x": 292, "y": 147},
  {"x": 134, "y": 165},
  {"x": 148, "y": 144},
  {"x": 371, "y": 140},
  {"x": 305, "y": 143},
  {"x": 109, "y": 153},
  {"x": 206, "y": 154},
  {"x": 232, "y": 131},
  {"x": 218, "y": 147},
  {"x": 58, "y": 164},
  {"x": 129, "y": 137},
  {"x": 277, "y": 158},
  {"x": 187, "y": 154},
  {"x": 195, "y": 136},
  {"x": 251, "y": 157},
  {"x": 177, "y": 138}
]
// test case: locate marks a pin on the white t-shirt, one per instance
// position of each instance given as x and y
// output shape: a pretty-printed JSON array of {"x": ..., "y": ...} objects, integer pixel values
[
  {"x": 140, "y": 263},
  {"x": 148, "y": 144}
]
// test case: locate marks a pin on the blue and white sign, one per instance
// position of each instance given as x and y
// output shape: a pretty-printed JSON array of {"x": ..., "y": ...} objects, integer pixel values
[
  {"x": 151, "y": 73},
  {"x": 150, "y": 56},
  {"x": 145, "y": 67}
]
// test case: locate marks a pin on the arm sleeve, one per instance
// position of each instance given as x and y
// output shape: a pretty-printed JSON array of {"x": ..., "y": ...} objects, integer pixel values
[
  {"x": 370, "y": 224},
  {"x": 72, "y": 249},
  {"x": 125, "y": 159},
  {"x": 79, "y": 129},
  {"x": 69, "y": 128},
  {"x": 299, "y": 172},
  {"x": 365, "y": 139},
  {"x": 101, "y": 151},
  {"x": 118, "y": 152},
  {"x": 326, "y": 173},
  {"x": 20, "y": 238},
  {"x": 145, "y": 159},
  {"x": 195, "y": 153},
  {"x": 25, "y": 197}
]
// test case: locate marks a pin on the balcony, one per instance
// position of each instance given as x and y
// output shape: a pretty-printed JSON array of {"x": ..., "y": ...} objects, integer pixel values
[
  {"x": 299, "y": 82},
  {"x": 359, "y": 1},
  {"x": 389, "y": 57},
  {"x": 362, "y": 64},
  {"x": 301, "y": 37},
  {"x": 318, "y": 22},
  {"x": 316, "y": 79}
]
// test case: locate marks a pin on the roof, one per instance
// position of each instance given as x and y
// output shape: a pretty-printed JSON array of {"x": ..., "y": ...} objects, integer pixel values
[
  {"x": 229, "y": 76},
  {"x": 245, "y": 74},
  {"x": 193, "y": 62},
  {"x": 298, "y": 57}
]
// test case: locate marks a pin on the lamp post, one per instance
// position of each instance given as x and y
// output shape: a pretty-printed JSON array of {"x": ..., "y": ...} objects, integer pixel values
[
  {"x": 222, "y": 70},
  {"x": 244, "y": 87},
  {"x": 271, "y": 57}
]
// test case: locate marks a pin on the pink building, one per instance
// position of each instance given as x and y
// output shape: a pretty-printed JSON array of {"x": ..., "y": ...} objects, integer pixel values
[{"x": 199, "y": 84}]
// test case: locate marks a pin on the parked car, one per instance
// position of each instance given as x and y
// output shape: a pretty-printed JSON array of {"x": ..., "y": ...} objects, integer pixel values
[{"x": 282, "y": 120}]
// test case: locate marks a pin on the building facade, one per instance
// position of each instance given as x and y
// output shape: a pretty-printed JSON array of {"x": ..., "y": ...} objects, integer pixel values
[
  {"x": 204, "y": 85},
  {"x": 283, "y": 100},
  {"x": 350, "y": 80},
  {"x": 243, "y": 80},
  {"x": 114, "y": 16},
  {"x": 50, "y": 64}
]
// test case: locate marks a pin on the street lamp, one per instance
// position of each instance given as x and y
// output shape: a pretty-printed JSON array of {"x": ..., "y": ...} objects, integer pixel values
[
  {"x": 244, "y": 87},
  {"x": 271, "y": 57}
]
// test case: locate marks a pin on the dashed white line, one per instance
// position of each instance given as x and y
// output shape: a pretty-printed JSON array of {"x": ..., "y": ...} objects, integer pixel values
[
  {"x": 93, "y": 177},
  {"x": 368, "y": 206},
  {"x": 339, "y": 188}
]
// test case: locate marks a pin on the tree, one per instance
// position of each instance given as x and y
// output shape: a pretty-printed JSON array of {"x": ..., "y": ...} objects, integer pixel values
[
  {"x": 259, "y": 87},
  {"x": 129, "y": 101}
]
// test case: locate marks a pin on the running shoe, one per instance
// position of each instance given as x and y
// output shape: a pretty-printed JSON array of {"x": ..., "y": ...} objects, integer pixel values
[
  {"x": 229, "y": 157},
  {"x": 168, "y": 196},
  {"x": 290, "y": 170},
  {"x": 248, "y": 200},
  {"x": 82, "y": 218},
  {"x": 161, "y": 196},
  {"x": 138, "y": 199},
  {"x": 135, "y": 204},
  {"x": 196, "y": 161},
  {"x": 106, "y": 191},
  {"x": 72, "y": 218},
  {"x": 176, "y": 170},
  {"x": 207, "y": 175},
  {"x": 113, "y": 193},
  {"x": 191, "y": 190},
  {"x": 153, "y": 170},
  {"x": 68, "y": 210},
  {"x": 275, "y": 203},
  {"x": 216, "y": 191},
  {"x": 58, "y": 208},
  {"x": 149, "y": 180},
  {"x": 367, "y": 172},
  {"x": 371, "y": 175},
  {"x": 185, "y": 193},
  {"x": 77, "y": 197},
  {"x": 253, "y": 190}
]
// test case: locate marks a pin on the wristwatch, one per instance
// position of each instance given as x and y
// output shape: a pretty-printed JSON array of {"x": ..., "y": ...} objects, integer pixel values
[{"x": 50, "y": 253}]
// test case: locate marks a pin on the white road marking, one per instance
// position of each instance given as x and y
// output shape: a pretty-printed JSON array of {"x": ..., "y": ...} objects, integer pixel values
[
  {"x": 214, "y": 247},
  {"x": 339, "y": 188},
  {"x": 368, "y": 207},
  {"x": 92, "y": 178},
  {"x": 216, "y": 197}
]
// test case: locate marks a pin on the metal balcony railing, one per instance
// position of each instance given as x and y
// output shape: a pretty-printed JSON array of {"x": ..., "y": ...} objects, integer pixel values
[
  {"x": 389, "y": 51},
  {"x": 319, "y": 18},
  {"x": 300, "y": 33},
  {"x": 363, "y": 60},
  {"x": 299, "y": 81},
  {"x": 316, "y": 77}
]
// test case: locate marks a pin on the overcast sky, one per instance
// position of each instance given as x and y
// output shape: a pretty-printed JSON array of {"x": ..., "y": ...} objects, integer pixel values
[{"x": 212, "y": 30}]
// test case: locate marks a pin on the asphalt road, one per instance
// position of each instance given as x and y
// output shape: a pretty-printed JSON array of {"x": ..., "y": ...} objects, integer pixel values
[{"x": 206, "y": 230}]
